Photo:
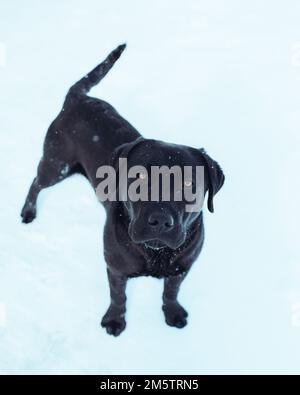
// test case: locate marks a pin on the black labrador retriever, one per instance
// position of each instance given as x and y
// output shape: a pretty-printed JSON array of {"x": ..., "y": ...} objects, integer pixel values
[{"x": 141, "y": 238}]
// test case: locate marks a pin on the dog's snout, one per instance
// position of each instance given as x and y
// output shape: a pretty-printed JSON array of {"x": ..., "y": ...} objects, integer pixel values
[{"x": 161, "y": 222}]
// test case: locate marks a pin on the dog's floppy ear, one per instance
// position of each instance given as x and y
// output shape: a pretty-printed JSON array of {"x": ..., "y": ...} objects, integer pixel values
[
  {"x": 216, "y": 178},
  {"x": 122, "y": 151}
]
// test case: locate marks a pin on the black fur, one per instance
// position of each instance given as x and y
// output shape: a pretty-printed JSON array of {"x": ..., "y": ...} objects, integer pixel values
[{"x": 89, "y": 133}]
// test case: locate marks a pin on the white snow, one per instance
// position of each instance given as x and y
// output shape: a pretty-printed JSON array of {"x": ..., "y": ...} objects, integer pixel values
[{"x": 224, "y": 75}]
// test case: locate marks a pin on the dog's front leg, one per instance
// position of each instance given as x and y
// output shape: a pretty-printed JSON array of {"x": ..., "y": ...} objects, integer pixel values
[
  {"x": 114, "y": 319},
  {"x": 174, "y": 313}
]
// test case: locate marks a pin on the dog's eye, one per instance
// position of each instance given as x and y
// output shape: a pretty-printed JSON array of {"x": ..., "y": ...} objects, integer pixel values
[
  {"x": 188, "y": 183},
  {"x": 142, "y": 176}
]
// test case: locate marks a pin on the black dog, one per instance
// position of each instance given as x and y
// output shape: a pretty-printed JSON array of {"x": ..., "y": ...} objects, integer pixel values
[{"x": 141, "y": 238}]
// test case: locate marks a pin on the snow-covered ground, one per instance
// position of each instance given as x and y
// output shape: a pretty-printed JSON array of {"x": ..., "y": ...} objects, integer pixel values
[{"x": 222, "y": 74}]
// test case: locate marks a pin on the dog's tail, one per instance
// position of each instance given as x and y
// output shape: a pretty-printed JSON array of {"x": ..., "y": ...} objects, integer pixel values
[{"x": 83, "y": 86}]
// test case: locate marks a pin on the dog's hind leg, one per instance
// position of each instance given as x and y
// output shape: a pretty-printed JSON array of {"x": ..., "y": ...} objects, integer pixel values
[{"x": 50, "y": 172}]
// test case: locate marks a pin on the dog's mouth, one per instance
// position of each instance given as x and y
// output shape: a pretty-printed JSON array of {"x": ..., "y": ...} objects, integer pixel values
[
  {"x": 155, "y": 244},
  {"x": 170, "y": 240}
]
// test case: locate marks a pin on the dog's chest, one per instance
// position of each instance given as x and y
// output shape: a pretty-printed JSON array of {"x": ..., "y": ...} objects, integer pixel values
[{"x": 161, "y": 263}]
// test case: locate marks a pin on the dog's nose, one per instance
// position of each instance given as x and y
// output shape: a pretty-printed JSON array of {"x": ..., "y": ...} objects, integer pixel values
[{"x": 161, "y": 222}]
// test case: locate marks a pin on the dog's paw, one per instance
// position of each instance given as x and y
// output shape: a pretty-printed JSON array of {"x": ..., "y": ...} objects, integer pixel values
[
  {"x": 114, "y": 327},
  {"x": 175, "y": 315},
  {"x": 28, "y": 214},
  {"x": 113, "y": 323}
]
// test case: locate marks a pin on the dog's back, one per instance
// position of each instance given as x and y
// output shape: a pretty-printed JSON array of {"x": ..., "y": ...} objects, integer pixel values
[{"x": 87, "y": 125}]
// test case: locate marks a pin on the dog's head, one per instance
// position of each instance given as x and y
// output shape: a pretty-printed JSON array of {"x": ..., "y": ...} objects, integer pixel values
[{"x": 155, "y": 219}]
